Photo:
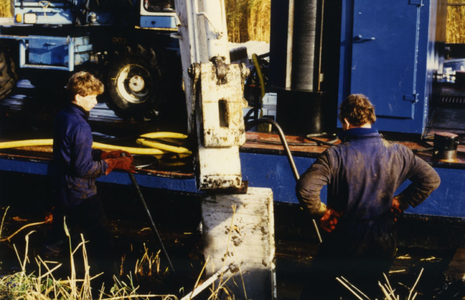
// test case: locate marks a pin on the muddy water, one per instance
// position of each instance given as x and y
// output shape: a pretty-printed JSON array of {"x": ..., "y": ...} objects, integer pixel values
[{"x": 424, "y": 244}]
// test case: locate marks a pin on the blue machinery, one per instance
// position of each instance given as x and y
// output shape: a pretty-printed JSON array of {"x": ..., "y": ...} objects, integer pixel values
[
  {"x": 447, "y": 201},
  {"x": 391, "y": 52}
]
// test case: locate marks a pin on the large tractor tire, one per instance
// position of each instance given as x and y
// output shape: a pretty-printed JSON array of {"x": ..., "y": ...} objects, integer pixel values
[
  {"x": 133, "y": 85},
  {"x": 8, "y": 76}
]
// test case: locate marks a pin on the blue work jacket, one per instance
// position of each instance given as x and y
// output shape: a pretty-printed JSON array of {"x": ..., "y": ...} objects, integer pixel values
[
  {"x": 362, "y": 174},
  {"x": 78, "y": 165}
]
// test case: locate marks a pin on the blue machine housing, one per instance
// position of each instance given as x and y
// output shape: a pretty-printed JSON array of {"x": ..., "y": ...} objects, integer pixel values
[
  {"x": 68, "y": 29},
  {"x": 388, "y": 53}
]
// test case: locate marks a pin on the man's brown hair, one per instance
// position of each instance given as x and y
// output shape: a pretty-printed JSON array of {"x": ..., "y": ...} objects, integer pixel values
[
  {"x": 84, "y": 84},
  {"x": 357, "y": 109}
]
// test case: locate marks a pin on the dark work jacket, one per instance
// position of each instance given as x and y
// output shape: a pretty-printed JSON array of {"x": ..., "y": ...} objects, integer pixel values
[
  {"x": 78, "y": 165},
  {"x": 362, "y": 174}
]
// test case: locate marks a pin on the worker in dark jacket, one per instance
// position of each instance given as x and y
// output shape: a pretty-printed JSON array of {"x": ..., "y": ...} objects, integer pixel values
[
  {"x": 77, "y": 168},
  {"x": 362, "y": 174}
]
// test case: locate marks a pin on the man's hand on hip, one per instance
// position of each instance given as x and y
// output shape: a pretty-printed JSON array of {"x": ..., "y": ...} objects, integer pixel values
[
  {"x": 396, "y": 208},
  {"x": 329, "y": 220}
]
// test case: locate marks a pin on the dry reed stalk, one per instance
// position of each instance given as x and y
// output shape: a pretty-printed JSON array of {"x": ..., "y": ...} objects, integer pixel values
[
  {"x": 3, "y": 220},
  {"x": 349, "y": 286},
  {"x": 47, "y": 277},
  {"x": 7, "y": 239},
  {"x": 149, "y": 261},
  {"x": 198, "y": 278},
  {"x": 413, "y": 288},
  {"x": 45, "y": 287}
]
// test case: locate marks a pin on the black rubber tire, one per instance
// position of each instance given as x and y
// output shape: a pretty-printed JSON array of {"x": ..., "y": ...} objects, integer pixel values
[
  {"x": 8, "y": 76},
  {"x": 134, "y": 84}
]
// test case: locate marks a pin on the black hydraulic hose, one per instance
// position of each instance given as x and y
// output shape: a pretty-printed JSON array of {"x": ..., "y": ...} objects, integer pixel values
[
  {"x": 248, "y": 114},
  {"x": 285, "y": 145},
  {"x": 289, "y": 158},
  {"x": 136, "y": 185}
]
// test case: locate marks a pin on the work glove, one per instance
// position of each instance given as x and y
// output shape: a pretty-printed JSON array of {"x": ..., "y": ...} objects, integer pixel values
[
  {"x": 329, "y": 220},
  {"x": 120, "y": 163},
  {"x": 114, "y": 154},
  {"x": 397, "y": 207}
]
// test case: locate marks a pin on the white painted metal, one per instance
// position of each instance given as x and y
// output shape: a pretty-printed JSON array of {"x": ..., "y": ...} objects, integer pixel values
[
  {"x": 214, "y": 112},
  {"x": 238, "y": 228},
  {"x": 222, "y": 108},
  {"x": 214, "y": 20},
  {"x": 239, "y": 232}
]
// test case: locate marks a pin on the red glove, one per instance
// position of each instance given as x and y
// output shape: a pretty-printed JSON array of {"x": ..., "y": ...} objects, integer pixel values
[
  {"x": 114, "y": 154},
  {"x": 121, "y": 163},
  {"x": 396, "y": 208},
  {"x": 329, "y": 220}
]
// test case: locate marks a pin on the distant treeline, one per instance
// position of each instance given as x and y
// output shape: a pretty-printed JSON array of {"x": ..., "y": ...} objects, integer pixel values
[
  {"x": 5, "y": 9},
  {"x": 455, "y": 33},
  {"x": 248, "y": 20}
]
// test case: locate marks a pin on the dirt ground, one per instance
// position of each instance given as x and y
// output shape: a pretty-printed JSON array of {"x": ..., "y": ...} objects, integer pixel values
[{"x": 430, "y": 244}]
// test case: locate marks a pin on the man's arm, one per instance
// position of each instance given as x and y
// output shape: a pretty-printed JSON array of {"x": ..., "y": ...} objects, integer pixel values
[
  {"x": 310, "y": 184},
  {"x": 424, "y": 181},
  {"x": 82, "y": 156}
]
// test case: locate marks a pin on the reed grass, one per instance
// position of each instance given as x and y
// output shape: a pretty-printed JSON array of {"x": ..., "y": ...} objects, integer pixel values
[
  {"x": 388, "y": 291},
  {"x": 44, "y": 286}
]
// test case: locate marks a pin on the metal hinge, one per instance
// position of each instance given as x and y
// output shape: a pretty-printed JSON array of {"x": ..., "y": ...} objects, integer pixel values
[
  {"x": 411, "y": 98},
  {"x": 416, "y": 2}
]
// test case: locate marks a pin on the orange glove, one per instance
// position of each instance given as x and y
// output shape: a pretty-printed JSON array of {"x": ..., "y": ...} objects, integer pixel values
[
  {"x": 114, "y": 154},
  {"x": 396, "y": 208},
  {"x": 329, "y": 220},
  {"x": 121, "y": 163}
]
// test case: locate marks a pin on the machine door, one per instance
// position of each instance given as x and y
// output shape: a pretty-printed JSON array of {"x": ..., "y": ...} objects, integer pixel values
[{"x": 384, "y": 55}]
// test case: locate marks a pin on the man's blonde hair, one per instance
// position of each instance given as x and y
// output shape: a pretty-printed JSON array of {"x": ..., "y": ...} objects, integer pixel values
[
  {"x": 357, "y": 109},
  {"x": 84, "y": 84}
]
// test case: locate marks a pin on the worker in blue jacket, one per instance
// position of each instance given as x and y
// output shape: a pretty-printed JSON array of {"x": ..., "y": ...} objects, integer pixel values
[
  {"x": 362, "y": 174},
  {"x": 77, "y": 168}
]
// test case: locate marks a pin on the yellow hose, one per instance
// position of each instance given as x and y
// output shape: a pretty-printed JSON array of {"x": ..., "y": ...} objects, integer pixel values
[
  {"x": 156, "y": 148},
  {"x": 49, "y": 142},
  {"x": 256, "y": 63},
  {"x": 26, "y": 143},
  {"x": 162, "y": 146},
  {"x": 163, "y": 134},
  {"x": 132, "y": 150}
]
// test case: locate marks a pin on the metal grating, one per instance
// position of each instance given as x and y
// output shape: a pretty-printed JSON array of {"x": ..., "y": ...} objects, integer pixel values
[{"x": 453, "y": 100}]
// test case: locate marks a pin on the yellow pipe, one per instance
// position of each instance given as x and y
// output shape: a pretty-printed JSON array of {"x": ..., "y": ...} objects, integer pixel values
[
  {"x": 156, "y": 148},
  {"x": 26, "y": 143},
  {"x": 165, "y": 147},
  {"x": 132, "y": 150},
  {"x": 49, "y": 142},
  {"x": 164, "y": 134}
]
